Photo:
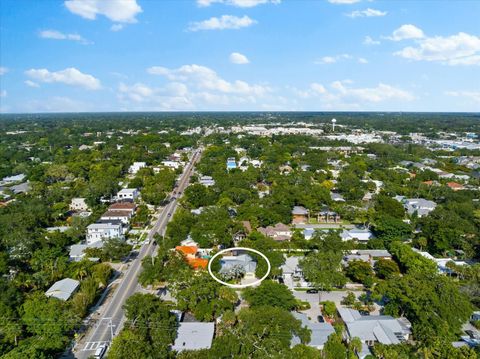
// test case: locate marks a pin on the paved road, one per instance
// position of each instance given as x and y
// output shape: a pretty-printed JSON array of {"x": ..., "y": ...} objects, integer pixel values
[{"x": 112, "y": 319}]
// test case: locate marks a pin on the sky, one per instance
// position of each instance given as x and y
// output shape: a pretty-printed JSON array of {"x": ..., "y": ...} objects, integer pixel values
[{"x": 239, "y": 55}]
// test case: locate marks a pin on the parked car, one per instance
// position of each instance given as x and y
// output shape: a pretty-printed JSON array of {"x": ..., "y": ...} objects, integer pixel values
[
  {"x": 321, "y": 319},
  {"x": 100, "y": 352},
  {"x": 312, "y": 291},
  {"x": 280, "y": 280},
  {"x": 364, "y": 312}
]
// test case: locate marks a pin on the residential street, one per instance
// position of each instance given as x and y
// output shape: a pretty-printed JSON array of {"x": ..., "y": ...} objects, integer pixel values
[{"x": 112, "y": 319}]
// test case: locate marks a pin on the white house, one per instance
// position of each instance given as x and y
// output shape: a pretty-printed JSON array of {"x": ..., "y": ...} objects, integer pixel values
[
  {"x": 77, "y": 251},
  {"x": 136, "y": 166},
  {"x": 361, "y": 235},
  {"x": 101, "y": 231},
  {"x": 420, "y": 206},
  {"x": 78, "y": 204},
  {"x": 128, "y": 194},
  {"x": 207, "y": 181},
  {"x": 172, "y": 164},
  {"x": 122, "y": 216}
]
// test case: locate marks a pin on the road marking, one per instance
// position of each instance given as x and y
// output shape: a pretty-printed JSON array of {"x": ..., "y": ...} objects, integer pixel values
[{"x": 93, "y": 345}]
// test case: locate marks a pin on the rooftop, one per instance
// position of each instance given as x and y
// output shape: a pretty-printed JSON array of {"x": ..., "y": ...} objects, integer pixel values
[
  {"x": 194, "y": 336},
  {"x": 63, "y": 289}
]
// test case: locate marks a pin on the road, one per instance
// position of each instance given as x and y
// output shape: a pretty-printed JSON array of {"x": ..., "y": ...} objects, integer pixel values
[{"x": 112, "y": 319}]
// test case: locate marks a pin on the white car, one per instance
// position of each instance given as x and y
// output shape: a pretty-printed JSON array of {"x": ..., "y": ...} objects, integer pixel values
[{"x": 100, "y": 352}]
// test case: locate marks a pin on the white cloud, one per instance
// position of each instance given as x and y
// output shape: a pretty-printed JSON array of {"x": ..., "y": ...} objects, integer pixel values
[
  {"x": 222, "y": 23},
  {"x": 56, "y": 104},
  {"x": 205, "y": 78},
  {"x": 369, "y": 41},
  {"x": 326, "y": 60},
  {"x": 237, "y": 3},
  {"x": 343, "y": 2},
  {"x": 57, "y": 35},
  {"x": 405, "y": 32},
  {"x": 473, "y": 95},
  {"x": 460, "y": 49},
  {"x": 30, "y": 83},
  {"x": 366, "y": 13},
  {"x": 70, "y": 76},
  {"x": 340, "y": 93},
  {"x": 332, "y": 59},
  {"x": 116, "y": 27},
  {"x": 238, "y": 58},
  {"x": 3, "y": 70},
  {"x": 116, "y": 10}
]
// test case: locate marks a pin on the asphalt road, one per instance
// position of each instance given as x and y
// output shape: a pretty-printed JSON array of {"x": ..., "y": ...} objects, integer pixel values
[{"x": 112, "y": 320}]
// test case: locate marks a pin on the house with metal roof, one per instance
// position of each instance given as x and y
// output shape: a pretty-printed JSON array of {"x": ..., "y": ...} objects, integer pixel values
[
  {"x": 77, "y": 251},
  {"x": 359, "y": 234},
  {"x": 63, "y": 289},
  {"x": 371, "y": 329},
  {"x": 319, "y": 332},
  {"x": 243, "y": 260},
  {"x": 194, "y": 336}
]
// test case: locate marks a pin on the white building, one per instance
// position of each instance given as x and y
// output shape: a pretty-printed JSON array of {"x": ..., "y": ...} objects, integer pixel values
[
  {"x": 136, "y": 167},
  {"x": 207, "y": 181},
  {"x": 122, "y": 216},
  {"x": 101, "y": 231},
  {"x": 128, "y": 194},
  {"x": 172, "y": 164},
  {"x": 78, "y": 204}
]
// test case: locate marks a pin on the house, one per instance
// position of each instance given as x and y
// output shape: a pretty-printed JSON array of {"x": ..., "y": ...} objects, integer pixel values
[
  {"x": 242, "y": 260},
  {"x": 367, "y": 255},
  {"x": 129, "y": 194},
  {"x": 77, "y": 251},
  {"x": 280, "y": 232},
  {"x": 231, "y": 163},
  {"x": 358, "y": 234},
  {"x": 101, "y": 231},
  {"x": 440, "y": 262},
  {"x": 123, "y": 206},
  {"x": 371, "y": 329},
  {"x": 78, "y": 204},
  {"x": 136, "y": 166},
  {"x": 299, "y": 215},
  {"x": 194, "y": 336},
  {"x": 13, "y": 179},
  {"x": 63, "y": 289},
  {"x": 319, "y": 332},
  {"x": 24, "y": 187},
  {"x": 207, "y": 181},
  {"x": 455, "y": 186},
  {"x": 420, "y": 206},
  {"x": 122, "y": 216},
  {"x": 337, "y": 197},
  {"x": 172, "y": 164},
  {"x": 192, "y": 256},
  {"x": 308, "y": 233},
  {"x": 328, "y": 217}
]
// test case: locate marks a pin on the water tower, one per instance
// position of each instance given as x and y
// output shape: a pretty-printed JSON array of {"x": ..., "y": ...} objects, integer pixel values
[{"x": 333, "y": 124}]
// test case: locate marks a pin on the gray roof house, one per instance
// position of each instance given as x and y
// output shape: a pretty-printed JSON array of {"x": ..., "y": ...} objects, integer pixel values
[
  {"x": 420, "y": 205},
  {"x": 77, "y": 251},
  {"x": 320, "y": 331},
  {"x": 243, "y": 260},
  {"x": 63, "y": 289},
  {"x": 194, "y": 336},
  {"x": 359, "y": 234},
  {"x": 373, "y": 329}
]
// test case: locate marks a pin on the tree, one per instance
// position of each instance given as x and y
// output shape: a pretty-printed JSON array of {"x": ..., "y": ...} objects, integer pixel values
[
  {"x": 334, "y": 347},
  {"x": 115, "y": 249},
  {"x": 270, "y": 293},
  {"x": 329, "y": 309},
  {"x": 349, "y": 299},
  {"x": 360, "y": 271},
  {"x": 322, "y": 269},
  {"x": 129, "y": 344},
  {"x": 386, "y": 268},
  {"x": 388, "y": 205}
]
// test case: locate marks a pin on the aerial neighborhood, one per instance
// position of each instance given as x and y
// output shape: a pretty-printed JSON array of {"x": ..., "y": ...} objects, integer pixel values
[{"x": 291, "y": 237}]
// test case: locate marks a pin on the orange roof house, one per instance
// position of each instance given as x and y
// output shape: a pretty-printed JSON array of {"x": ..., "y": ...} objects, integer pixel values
[
  {"x": 190, "y": 253},
  {"x": 455, "y": 186},
  {"x": 197, "y": 263}
]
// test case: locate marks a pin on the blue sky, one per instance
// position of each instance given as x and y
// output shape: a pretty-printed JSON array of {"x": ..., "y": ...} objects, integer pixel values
[{"x": 160, "y": 55}]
